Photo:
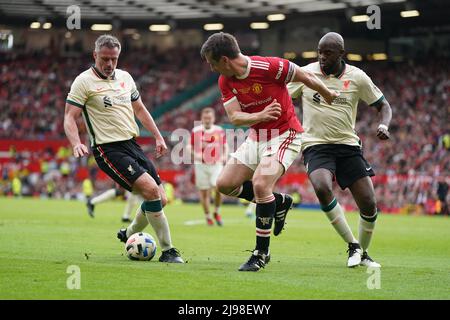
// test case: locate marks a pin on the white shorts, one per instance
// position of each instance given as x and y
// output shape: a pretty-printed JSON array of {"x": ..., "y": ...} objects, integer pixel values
[
  {"x": 286, "y": 146},
  {"x": 206, "y": 175}
]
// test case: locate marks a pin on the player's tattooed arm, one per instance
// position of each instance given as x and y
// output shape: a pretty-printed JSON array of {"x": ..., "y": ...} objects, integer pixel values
[
  {"x": 311, "y": 81},
  {"x": 238, "y": 118},
  {"x": 385, "y": 110},
  {"x": 71, "y": 114}
]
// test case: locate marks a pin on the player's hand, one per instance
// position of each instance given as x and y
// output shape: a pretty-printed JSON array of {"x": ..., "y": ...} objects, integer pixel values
[
  {"x": 80, "y": 150},
  {"x": 161, "y": 147},
  {"x": 383, "y": 132},
  {"x": 331, "y": 96},
  {"x": 272, "y": 112}
]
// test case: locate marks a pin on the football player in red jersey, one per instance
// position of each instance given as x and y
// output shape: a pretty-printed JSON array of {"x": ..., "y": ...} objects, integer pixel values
[
  {"x": 254, "y": 94},
  {"x": 209, "y": 146}
]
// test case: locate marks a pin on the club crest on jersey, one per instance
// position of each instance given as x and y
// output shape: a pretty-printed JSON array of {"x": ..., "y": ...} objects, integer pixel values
[
  {"x": 234, "y": 91},
  {"x": 346, "y": 85},
  {"x": 257, "y": 88}
]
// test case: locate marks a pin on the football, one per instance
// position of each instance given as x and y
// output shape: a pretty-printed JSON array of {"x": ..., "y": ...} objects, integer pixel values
[{"x": 140, "y": 246}]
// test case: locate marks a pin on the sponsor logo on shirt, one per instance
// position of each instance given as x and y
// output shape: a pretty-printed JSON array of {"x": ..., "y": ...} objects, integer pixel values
[
  {"x": 338, "y": 100},
  {"x": 316, "y": 97},
  {"x": 256, "y": 103},
  {"x": 107, "y": 101}
]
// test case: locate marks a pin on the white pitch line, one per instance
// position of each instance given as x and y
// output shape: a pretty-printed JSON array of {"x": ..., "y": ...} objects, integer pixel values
[{"x": 194, "y": 222}]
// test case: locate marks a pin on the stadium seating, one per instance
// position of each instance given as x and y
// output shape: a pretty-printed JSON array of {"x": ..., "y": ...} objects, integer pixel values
[{"x": 408, "y": 166}]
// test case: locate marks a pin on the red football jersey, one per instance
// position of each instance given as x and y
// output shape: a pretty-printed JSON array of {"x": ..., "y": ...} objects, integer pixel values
[
  {"x": 264, "y": 81},
  {"x": 208, "y": 144}
]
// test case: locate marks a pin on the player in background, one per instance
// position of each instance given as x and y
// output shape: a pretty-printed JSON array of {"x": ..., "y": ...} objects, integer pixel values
[
  {"x": 254, "y": 94},
  {"x": 131, "y": 201},
  {"x": 250, "y": 210},
  {"x": 109, "y": 101},
  {"x": 331, "y": 147},
  {"x": 209, "y": 148}
]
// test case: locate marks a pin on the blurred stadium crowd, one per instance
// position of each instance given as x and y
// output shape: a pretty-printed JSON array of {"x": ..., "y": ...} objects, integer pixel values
[{"x": 412, "y": 167}]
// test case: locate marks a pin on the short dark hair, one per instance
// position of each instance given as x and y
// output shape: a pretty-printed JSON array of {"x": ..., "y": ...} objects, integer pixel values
[{"x": 220, "y": 44}]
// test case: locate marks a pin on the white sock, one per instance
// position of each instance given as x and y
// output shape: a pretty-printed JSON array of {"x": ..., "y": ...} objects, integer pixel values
[
  {"x": 160, "y": 224},
  {"x": 131, "y": 203},
  {"x": 105, "y": 196},
  {"x": 156, "y": 217},
  {"x": 138, "y": 224},
  {"x": 366, "y": 230},
  {"x": 336, "y": 216}
]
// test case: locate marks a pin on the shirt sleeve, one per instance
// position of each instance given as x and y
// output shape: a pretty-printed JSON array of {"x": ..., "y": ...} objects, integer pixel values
[
  {"x": 368, "y": 91},
  {"x": 295, "y": 89},
  {"x": 78, "y": 94},
  {"x": 281, "y": 70},
  {"x": 227, "y": 95},
  {"x": 134, "y": 91}
]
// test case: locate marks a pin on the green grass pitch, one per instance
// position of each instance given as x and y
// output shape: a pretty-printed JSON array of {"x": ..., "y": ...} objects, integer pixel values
[{"x": 39, "y": 239}]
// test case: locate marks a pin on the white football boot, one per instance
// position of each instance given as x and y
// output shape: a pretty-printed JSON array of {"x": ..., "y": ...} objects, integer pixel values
[
  {"x": 354, "y": 255},
  {"x": 367, "y": 261}
]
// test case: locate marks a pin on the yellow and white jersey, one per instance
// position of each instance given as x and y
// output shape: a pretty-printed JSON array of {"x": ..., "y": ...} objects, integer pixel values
[
  {"x": 335, "y": 123},
  {"x": 106, "y": 105}
]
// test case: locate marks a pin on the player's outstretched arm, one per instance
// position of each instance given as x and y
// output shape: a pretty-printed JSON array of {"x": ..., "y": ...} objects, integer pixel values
[
  {"x": 147, "y": 121},
  {"x": 238, "y": 118},
  {"x": 70, "y": 128},
  {"x": 385, "y": 110},
  {"x": 311, "y": 81}
]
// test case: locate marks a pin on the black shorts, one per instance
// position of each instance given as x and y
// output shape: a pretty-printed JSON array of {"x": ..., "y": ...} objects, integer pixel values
[
  {"x": 345, "y": 162},
  {"x": 124, "y": 162}
]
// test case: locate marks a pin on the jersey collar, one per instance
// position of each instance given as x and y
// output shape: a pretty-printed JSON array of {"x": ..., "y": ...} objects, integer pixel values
[
  {"x": 247, "y": 71},
  {"x": 101, "y": 75}
]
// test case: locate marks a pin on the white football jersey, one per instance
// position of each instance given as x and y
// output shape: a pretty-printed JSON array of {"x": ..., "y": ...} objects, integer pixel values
[{"x": 335, "y": 123}]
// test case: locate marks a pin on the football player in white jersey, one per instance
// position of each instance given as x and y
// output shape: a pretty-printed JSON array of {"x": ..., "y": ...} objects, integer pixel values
[
  {"x": 331, "y": 147},
  {"x": 109, "y": 101}
]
